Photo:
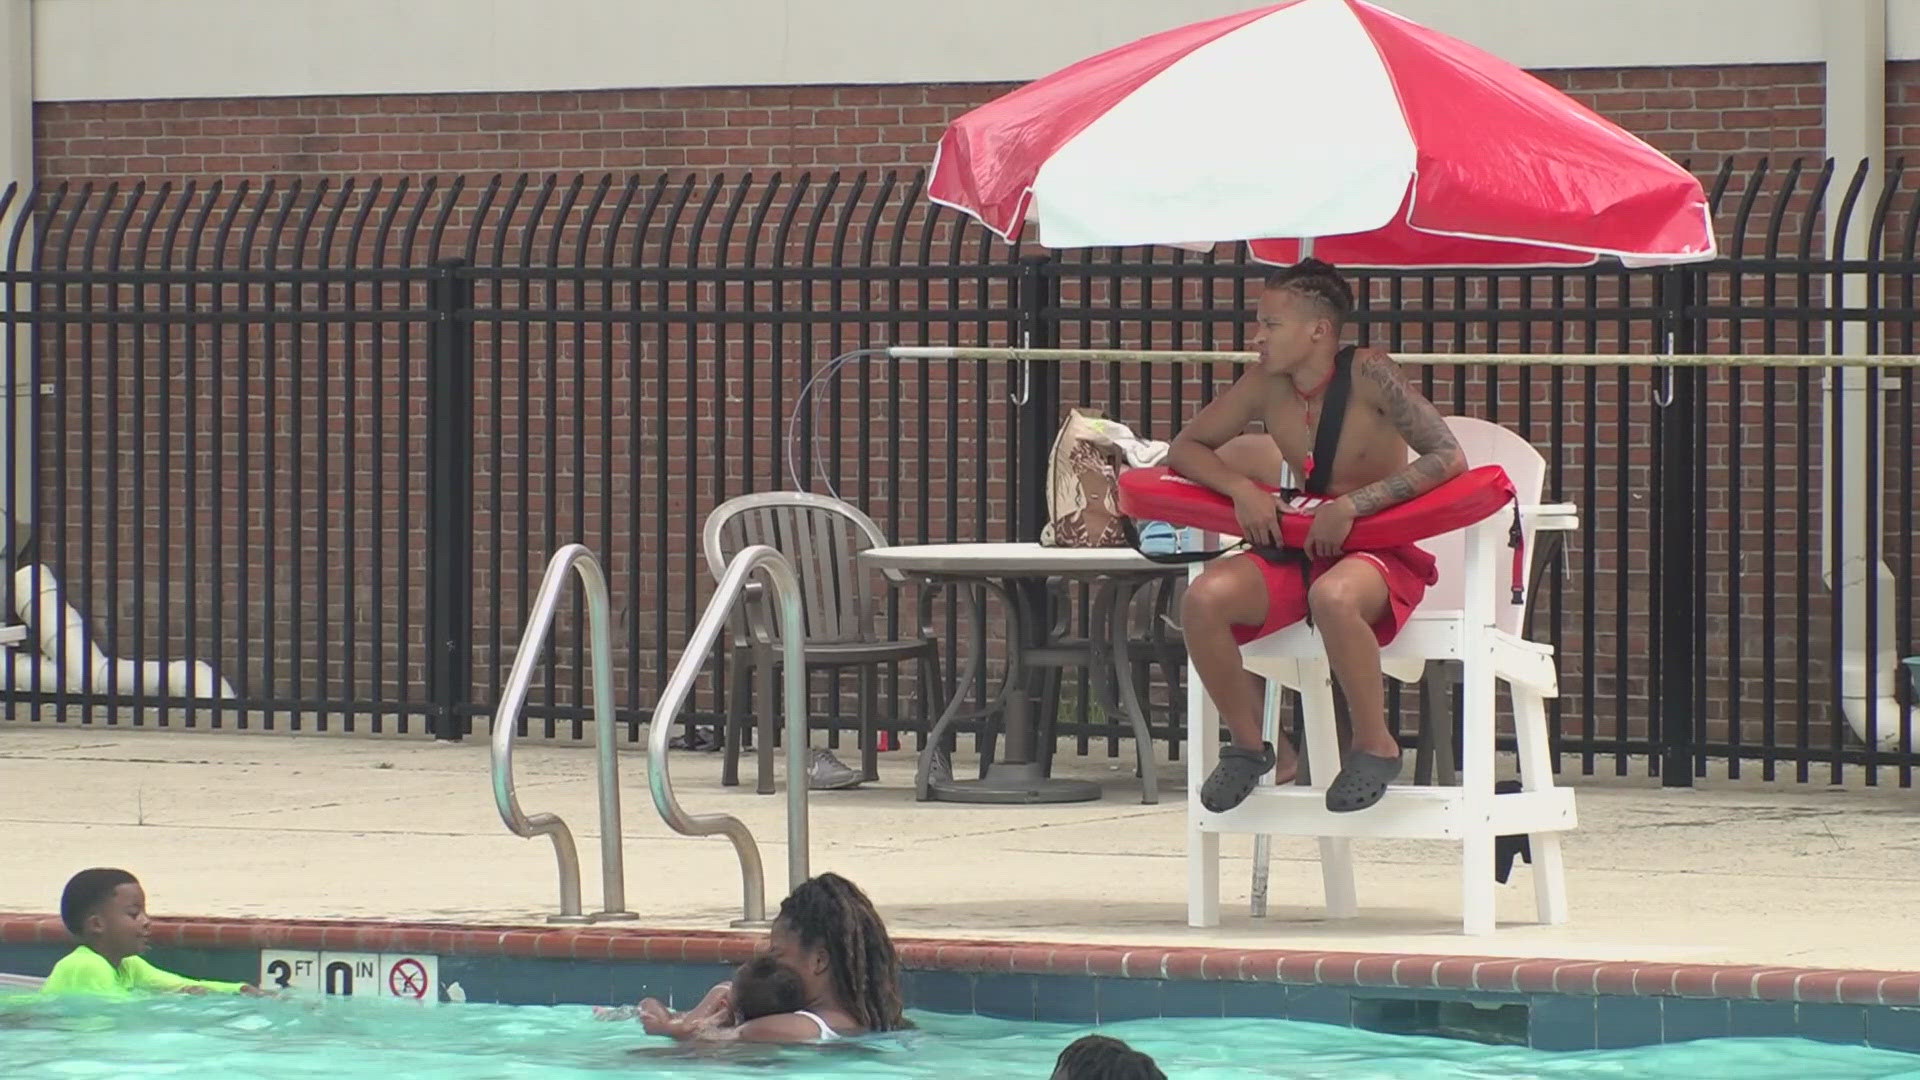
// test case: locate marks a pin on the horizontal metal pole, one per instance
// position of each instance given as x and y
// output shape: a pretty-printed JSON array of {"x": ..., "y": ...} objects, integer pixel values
[{"x": 1141, "y": 356}]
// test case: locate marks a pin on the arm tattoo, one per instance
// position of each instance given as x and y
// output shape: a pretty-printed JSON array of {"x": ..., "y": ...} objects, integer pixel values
[{"x": 1424, "y": 429}]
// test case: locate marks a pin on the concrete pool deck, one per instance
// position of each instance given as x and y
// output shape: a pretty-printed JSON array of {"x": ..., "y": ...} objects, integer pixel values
[{"x": 282, "y": 826}]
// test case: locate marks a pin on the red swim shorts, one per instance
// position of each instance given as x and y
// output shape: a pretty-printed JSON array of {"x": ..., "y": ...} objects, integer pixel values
[{"x": 1409, "y": 571}]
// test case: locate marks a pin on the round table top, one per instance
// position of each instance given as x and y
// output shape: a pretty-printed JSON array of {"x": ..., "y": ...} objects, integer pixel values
[{"x": 986, "y": 560}]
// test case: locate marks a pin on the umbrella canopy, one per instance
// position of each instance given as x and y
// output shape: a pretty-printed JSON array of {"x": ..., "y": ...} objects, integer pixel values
[{"x": 1382, "y": 142}]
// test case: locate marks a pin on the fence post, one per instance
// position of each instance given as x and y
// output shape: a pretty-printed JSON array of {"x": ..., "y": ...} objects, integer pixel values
[
  {"x": 1036, "y": 388},
  {"x": 449, "y": 502},
  {"x": 1676, "y": 580}
]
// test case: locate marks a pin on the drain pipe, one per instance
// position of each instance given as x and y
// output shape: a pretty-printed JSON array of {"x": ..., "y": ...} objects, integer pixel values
[
  {"x": 87, "y": 668},
  {"x": 16, "y": 340},
  {"x": 1855, "y": 33}
]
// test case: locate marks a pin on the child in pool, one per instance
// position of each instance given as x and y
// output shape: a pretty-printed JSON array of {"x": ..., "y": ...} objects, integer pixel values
[
  {"x": 762, "y": 986},
  {"x": 1101, "y": 1057},
  {"x": 106, "y": 911}
]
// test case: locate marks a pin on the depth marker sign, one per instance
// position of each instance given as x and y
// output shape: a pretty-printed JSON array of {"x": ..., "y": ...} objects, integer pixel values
[{"x": 405, "y": 976}]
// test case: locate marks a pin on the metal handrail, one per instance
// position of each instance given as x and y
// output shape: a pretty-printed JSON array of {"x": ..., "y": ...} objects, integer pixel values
[
  {"x": 786, "y": 593},
  {"x": 507, "y": 715}
]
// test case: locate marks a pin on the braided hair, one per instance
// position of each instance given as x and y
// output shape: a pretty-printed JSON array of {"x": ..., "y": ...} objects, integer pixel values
[
  {"x": 831, "y": 913},
  {"x": 1100, "y": 1057},
  {"x": 1320, "y": 282}
]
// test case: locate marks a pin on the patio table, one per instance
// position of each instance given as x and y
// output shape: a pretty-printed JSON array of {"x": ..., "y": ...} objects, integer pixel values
[{"x": 1020, "y": 574}]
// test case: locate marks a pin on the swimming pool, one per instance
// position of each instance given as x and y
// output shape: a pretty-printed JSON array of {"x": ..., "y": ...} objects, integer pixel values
[{"x": 350, "y": 1038}]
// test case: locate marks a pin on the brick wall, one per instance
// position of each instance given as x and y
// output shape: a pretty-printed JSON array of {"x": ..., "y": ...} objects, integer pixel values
[
  {"x": 1702, "y": 115},
  {"x": 1687, "y": 112}
]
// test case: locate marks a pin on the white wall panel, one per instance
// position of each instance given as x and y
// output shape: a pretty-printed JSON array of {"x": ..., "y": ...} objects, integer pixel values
[{"x": 113, "y": 49}]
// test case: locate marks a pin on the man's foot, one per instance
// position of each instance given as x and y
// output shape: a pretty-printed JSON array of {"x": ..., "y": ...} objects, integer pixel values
[
  {"x": 1234, "y": 778},
  {"x": 828, "y": 773},
  {"x": 1362, "y": 781}
]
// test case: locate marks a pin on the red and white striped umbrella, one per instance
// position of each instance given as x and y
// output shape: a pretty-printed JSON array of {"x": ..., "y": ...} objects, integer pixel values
[{"x": 1380, "y": 141}]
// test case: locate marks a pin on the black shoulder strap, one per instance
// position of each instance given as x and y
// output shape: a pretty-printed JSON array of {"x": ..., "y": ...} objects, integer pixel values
[{"x": 1333, "y": 415}]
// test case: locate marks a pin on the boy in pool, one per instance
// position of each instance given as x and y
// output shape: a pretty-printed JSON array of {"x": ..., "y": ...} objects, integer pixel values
[
  {"x": 106, "y": 911},
  {"x": 1101, "y": 1057}
]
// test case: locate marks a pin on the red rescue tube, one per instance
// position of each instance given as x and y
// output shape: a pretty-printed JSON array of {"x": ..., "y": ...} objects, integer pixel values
[{"x": 1159, "y": 494}]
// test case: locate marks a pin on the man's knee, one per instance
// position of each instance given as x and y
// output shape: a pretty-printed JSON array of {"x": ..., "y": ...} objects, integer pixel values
[
  {"x": 1223, "y": 593},
  {"x": 1337, "y": 596}
]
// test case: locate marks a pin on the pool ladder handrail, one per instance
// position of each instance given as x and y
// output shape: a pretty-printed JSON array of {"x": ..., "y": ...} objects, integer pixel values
[
  {"x": 506, "y": 717},
  {"x": 785, "y": 584}
]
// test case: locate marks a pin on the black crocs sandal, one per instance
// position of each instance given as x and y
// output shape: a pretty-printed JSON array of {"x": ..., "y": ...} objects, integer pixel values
[
  {"x": 1235, "y": 777},
  {"x": 1362, "y": 781}
]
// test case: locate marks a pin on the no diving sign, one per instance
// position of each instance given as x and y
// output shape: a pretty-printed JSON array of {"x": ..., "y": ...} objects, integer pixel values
[{"x": 407, "y": 976}]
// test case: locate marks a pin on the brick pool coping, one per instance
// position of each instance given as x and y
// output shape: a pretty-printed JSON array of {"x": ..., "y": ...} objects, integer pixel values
[{"x": 1376, "y": 971}]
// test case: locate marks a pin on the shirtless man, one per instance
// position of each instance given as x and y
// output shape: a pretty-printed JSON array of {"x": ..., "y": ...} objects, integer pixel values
[{"x": 1358, "y": 600}]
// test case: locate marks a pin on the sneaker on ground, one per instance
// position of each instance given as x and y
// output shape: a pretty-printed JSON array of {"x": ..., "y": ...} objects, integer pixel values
[{"x": 828, "y": 773}]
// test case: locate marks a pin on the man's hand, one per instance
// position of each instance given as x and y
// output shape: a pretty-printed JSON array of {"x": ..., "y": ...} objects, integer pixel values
[
  {"x": 1331, "y": 524},
  {"x": 1259, "y": 514}
]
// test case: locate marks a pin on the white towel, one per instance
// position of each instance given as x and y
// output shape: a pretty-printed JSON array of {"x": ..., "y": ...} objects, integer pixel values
[{"x": 1138, "y": 453}]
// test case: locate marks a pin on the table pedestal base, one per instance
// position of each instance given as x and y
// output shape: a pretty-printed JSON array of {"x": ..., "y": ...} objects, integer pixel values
[{"x": 1010, "y": 783}]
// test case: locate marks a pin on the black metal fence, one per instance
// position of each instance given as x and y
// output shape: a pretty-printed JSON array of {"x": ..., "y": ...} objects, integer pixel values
[{"x": 325, "y": 437}]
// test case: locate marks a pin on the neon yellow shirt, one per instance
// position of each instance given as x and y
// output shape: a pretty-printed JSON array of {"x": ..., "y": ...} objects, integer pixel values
[{"x": 84, "y": 971}]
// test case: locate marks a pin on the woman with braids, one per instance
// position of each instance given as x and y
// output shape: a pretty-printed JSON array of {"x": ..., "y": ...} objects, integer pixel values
[{"x": 829, "y": 934}]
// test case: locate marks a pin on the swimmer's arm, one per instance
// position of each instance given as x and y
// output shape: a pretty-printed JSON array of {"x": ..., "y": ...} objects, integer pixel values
[
  {"x": 1194, "y": 453},
  {"x": 1419, "y": 423},
  {"x": 145, "y": 976}
]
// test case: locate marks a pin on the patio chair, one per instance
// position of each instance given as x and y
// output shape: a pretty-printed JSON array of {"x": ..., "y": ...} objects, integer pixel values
[
  {"x": 1466, "y": 617},
  {"x": 823, "y": 538}
]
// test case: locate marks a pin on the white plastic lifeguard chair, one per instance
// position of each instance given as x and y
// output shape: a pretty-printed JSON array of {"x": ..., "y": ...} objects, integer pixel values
[{"x": 1468, "y": 617}]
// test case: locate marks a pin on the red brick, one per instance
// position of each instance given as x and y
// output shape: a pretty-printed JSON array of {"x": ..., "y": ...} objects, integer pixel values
[
  {"x": 1300, "y": 968},
  {"x": 1901, "y": 990},
  {"x": 1535, "y": 976},
  {"x": 1262, "y": 965},
  {"x": 1655, "y": 980},
  {"x": 1455, "y": 973},
  {"x": 1695, "y": 981},
  {"x": 1185, "y": 964},
  {"x": 1415, "y": 971},
  {"x": 1777, "y": 984},
  {"x": 1496, "y": 976},
  {"x": 1144, "y": 964},
  {"x": 1577, "y": 977},
  {"x": 1030, "y": 959}
]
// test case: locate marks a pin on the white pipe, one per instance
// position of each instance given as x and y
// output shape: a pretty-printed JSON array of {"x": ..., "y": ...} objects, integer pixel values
[
  {"x": 25, "y": 672},
  {"x": 61, "y": 634},
  {"x": 1856, "y": 58},
  {"x": 17, "y": 166}
]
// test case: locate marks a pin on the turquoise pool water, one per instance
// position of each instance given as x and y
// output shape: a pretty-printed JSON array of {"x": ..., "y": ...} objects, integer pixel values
[{"x": 345, "y": 1039}]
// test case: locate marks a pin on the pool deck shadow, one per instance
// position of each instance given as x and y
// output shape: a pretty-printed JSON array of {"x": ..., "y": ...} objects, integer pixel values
[{"x": 286, "y": 826}]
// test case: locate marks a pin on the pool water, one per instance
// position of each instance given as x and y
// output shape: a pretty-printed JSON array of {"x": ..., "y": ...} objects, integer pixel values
[{"x": 343, "y": 1039}]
